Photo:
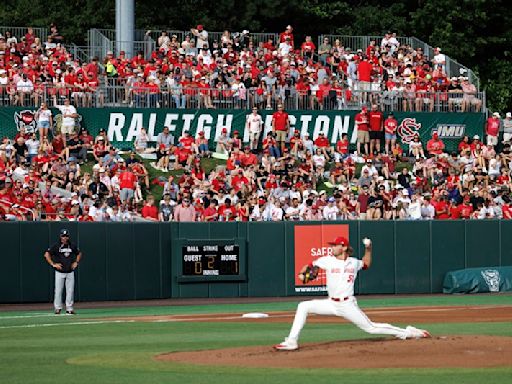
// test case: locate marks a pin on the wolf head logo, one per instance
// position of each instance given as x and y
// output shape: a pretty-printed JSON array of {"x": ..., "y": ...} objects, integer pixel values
[
  {"x": 492, "y": 278},
  {"x": 25, "y": 119}
]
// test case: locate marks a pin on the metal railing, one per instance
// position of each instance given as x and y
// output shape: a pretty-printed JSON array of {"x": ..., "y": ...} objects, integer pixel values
[
  {"x": 358, "y": 42},
  {"x": 103, "y": 40},
  {"x": 180, "y": 35},
  {"x": 99, "y": 44},
  {"x": 20, "y": 32},
  {"x": 256, "y": 38},
  {"x": 79, "y": 52},
  {"x": 453, "y": 68},
  {"x": 136, "y": 95}
]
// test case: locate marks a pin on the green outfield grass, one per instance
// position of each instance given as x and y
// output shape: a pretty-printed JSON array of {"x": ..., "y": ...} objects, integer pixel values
[{"x": 37, "y": 348}]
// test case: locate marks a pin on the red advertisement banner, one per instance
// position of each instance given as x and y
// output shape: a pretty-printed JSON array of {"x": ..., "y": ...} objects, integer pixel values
[{"x": 310, "y": 244}]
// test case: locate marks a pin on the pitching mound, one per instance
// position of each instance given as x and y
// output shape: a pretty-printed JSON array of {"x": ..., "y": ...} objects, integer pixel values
[{"x": 448, "y": 351}]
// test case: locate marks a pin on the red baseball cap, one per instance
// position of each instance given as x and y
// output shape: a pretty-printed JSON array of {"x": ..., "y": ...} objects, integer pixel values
[
  {"x": 224, "y": 129},
  {"x": 339, "y": 241},
  {"x": 200, "y": 27}
]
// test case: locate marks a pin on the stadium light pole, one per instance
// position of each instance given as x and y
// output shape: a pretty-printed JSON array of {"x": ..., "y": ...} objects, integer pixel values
[{"x": 125, "y": 26}]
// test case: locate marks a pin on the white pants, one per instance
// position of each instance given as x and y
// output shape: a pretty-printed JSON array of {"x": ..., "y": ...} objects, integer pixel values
[
  {"x": 60, "y": 280},
  {"x": 347, "y": 309},
  {"x": 492, "y": 140},
  {"x": 68, "y": 129}
]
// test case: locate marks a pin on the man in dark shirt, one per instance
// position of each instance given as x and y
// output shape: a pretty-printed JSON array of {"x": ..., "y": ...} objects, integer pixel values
[
  {"x": 75, "y": 149},
  {"x": 64, "y": 257},
  {"x": 20, "y": 150},
  {"x": 98, "y": 188}
]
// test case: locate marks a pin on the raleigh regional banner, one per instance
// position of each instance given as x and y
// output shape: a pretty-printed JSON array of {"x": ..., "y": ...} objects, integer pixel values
[
  {"x": 310, "y": 243},
  {"x": 124, "y": 124}
]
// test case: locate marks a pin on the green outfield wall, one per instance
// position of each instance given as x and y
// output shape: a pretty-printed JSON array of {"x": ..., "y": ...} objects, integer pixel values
[
  {"x": 130, "y": 261},
  {"x": 123, "y": 124}
]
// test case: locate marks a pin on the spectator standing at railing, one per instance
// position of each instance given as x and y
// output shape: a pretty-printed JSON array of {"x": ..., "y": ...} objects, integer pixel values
[
  {"x": 308, "y": 48},
  {"x": 288, "y": 33},
  {"x": 376, "y": 124},
  {"x": 492, "y": 129},
  {"x": 281, "y": 126},
  {"x": 164, "y": 41},
  {"x": 439, "y": 58},
  {"x": 390, "y": 127},
  {"x": 507, "y": 128},
  {"x": 254, "y": 125},
  {"x": 469, "y": 98},
  {"x": 324, "y": 51},
  {"x": 24, "y": 88},
  {"x": 44, "y": 120},
  {"x": 201, "y": 36},
  {"x": 364, "y": 71},
  {"x": 361, "y": 125},
  {"x": 69, "y": 114}
]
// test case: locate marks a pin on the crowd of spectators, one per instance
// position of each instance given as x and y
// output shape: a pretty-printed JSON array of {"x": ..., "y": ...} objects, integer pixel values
[
  {"x": 273, "y": 178},
  {"x": 235, "y": 72}
]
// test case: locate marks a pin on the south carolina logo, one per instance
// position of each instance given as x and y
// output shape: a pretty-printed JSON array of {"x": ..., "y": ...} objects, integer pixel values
[
  {"x": 25, "y": 119},
  {"x": 407, "y": 129}
]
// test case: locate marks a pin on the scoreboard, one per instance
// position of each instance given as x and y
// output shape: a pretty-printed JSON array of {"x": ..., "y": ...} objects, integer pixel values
[{"x": 211, "y": 260}]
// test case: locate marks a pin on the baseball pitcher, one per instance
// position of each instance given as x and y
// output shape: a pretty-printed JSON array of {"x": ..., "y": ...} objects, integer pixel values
[{"x": 341, "y": 272}]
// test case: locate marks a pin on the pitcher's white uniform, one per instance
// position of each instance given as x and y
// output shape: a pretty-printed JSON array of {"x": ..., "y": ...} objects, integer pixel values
[{"x": 340, "y": 276}]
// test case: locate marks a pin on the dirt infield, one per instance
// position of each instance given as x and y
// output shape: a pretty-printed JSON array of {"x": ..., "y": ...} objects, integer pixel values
[
  {"x": 438, "y": 352},
  {"x": 413, "y": 315},
  {"x": 442, "y": 351}
]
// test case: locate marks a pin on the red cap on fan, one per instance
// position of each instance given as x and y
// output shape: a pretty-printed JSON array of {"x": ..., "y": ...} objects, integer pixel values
[{"x": 339, "y": 241}]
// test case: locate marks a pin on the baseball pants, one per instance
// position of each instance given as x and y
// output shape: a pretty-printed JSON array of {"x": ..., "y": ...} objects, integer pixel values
[
  {"x": 62, "y": 279},
  {"x": 347, "y": 309}
]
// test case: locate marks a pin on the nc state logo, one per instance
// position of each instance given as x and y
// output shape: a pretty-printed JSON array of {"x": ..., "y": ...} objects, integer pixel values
[
  {"x": 25, "y": 119},
  {"x": 407, "y": 129}
]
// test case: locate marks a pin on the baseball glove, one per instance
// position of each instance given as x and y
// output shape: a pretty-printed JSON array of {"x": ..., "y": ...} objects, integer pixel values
[{"x": 310, "y": 274}]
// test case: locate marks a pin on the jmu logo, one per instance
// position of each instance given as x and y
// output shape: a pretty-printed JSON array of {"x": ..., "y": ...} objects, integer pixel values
[
  {"x": 25, "y": 119},
  {"x": 407, "y": 129},
  {"x": 492, "y": 278},
  {"x": 450, "y": 131}
]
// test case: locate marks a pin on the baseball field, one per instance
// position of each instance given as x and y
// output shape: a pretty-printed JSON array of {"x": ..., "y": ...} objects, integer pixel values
[{"x": 201, "y": 341}]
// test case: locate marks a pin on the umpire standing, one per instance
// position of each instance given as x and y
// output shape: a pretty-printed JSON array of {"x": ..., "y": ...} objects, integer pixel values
[{"x": 64, "y": 257}]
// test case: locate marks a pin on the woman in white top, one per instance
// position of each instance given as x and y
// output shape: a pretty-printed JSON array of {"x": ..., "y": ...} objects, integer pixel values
[
  {"x": 44, "y": 120},
  {"x": 416, "y": 148},
  {"x": 319, "y": 162},
  {"x": 33, "y": 146},
  {"x": 141, "y": 141},
  {"x": 164, "y": 41}
]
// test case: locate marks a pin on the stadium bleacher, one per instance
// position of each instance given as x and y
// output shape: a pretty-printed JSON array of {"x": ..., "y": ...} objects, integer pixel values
[{"x": 51, "y": 178}]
